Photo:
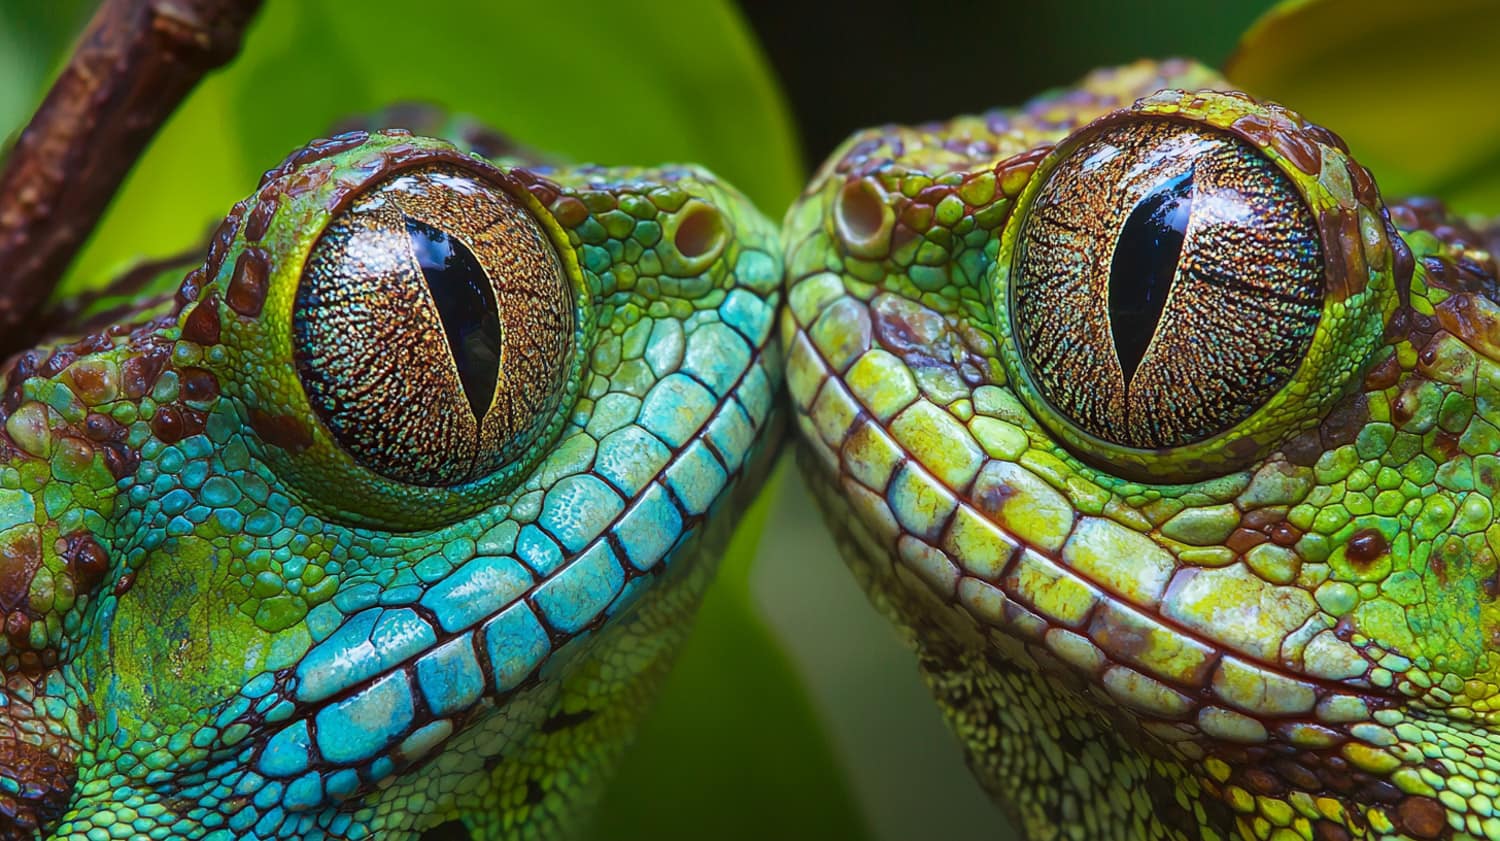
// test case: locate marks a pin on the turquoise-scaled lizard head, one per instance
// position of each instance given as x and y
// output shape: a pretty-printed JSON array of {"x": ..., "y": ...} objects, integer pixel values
[
  {"x": 393, "y": 514},
  {"x": 1174, "y": 448}
]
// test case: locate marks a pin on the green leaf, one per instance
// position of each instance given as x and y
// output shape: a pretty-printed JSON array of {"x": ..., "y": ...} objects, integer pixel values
[
  {"x": 1410, "y": 86},
  {"x": 733, "y": 751}
]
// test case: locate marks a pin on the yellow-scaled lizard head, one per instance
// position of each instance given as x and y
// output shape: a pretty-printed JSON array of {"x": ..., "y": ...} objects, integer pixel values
[{"x": 1174, "y": 447}]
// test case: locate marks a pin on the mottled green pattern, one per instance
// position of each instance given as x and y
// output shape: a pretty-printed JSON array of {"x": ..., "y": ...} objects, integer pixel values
[
  {"x": 219, "y": 625},
  {"x": 1286, "y": 630}
]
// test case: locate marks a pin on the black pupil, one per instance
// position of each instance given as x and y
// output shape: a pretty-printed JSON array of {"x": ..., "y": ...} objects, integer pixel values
[
  {"x": 1145, "y": 261},
  {"x": 466, "y": 304}
]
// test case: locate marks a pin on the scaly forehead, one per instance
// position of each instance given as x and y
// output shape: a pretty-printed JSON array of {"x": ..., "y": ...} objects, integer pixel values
[
  {"x": 189, "y": 551},
  {"x": 1330, "y": 563}
]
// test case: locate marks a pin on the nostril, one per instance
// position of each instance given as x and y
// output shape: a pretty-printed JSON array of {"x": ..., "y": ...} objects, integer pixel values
[
  {"x": 35, "y": 788},
  {"x": 700, "y": 233}
]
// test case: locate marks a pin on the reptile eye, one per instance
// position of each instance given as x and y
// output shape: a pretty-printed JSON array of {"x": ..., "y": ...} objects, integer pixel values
[
  {"x": 432, "y": 327},
  {"x": 1168, "y": 282}
]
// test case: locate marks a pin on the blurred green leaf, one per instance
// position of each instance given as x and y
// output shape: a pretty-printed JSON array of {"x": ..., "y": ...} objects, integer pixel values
[
  {"x": 32, "y": 37},
  {"x": 1412, "y": 87},
  {"x": 733, "y": 751}
]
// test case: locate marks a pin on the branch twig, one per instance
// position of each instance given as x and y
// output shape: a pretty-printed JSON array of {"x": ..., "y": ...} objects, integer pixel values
[{"x": 136, "y": 61}]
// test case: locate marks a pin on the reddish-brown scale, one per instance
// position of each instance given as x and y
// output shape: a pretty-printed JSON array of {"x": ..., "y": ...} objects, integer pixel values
[
  {"x": 400, "y": 153},
  {"x": 247, "y": 289},
  {"x": 1284, "y": 534},
  {"x": 1300, "y": 776},
  {"x": 1263, "y": 782},
  {"x": 1305, "y": 154},
  {"x": 54, "y": 364},
  {"x": 139, "y": 373},
  {"x": 259, "y": 219},
  {"x": 125, "y": 582},
  {"x": 191, "y": 288},
  {"x": 198, "y": 385},
  {"x": 1365, "y": 547},
  {"x": 1261, "y": 519},
  {"x": 87, "y": 561},
  {"x": 219, "y": 243},
  {"x": 1477, "y": 326},
  {"x": 22, "y": 367},
  {"x": 1364, "y": 183},
  {"x": 202, "y": 324},
  {"x": 20, "y": 557},
  {"x": 1422, "y": 817},
  {"x": 1403, "y": 215},
  {"x": 1263, "y": 129},
  {"x": 932, "y": 194},
  {"x": 1343, "y": 424},
  {"x": 1384, "y": 375},
  {"x": 284, "y": 431},
  {"x": 1342, "y": 249},
  {"x": 545, "y": 190},
  {"x": 1242, "y": 540},
  {"x": 103, "y": 428},
  {"x": 1330, "y": 831},
  {"x": 168, "y": 424},
  {"x": 1428, "y": 357},
  {"x": 569, "y": 212},
  {"x": 120, "y": 458},
  {"x": 18, "y": 628},
  {"x": 99, "y": 342}
]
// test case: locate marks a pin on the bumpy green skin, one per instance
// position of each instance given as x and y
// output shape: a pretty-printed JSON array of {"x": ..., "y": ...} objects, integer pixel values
[
  {"x": 1306, "y": 645},
  {"x": 217, "y": 625}
]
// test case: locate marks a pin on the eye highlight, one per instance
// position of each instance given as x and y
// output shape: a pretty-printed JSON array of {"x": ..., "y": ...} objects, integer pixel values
[
  {"x": 432, "y": 327},
  {"x": 1168, "y": 282}
]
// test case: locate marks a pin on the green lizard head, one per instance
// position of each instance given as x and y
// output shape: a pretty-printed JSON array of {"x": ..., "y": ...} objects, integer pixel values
[
  {"x": 1176, "y": 449},
  {"x": 393, "y": 514}
]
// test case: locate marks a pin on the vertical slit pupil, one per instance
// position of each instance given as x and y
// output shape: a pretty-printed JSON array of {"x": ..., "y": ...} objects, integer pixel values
[
  {"x": 466, "y": 305},
  {"x": 1145, "y": 261}
]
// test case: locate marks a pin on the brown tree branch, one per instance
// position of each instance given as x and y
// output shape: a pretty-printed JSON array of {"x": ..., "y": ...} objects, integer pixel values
[{"x": 135, "y": 62}]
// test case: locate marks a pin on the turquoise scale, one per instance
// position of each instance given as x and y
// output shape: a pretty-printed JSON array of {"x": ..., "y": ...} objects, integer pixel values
[
  {"x": 675, "y": 409},
  {"x": 450, "y": 677},
  {"x": 582, "y": 590},
  {"x": 696, "y": 477},
  {"x": 516, "y": 643},
  {"x": 649, "y": 528},
  {"x": 629, "y": 458},
  {"x": 476, "y": 590},
  {"x": 538, "y": 551},
  {"x": 578, "y": 509},
  {"x": 355, "y": 729}
]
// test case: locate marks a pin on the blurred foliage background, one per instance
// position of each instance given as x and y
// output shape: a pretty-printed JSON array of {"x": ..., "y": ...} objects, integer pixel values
[{"x": 795, "y": 712}]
